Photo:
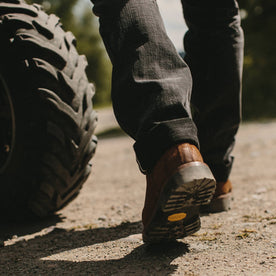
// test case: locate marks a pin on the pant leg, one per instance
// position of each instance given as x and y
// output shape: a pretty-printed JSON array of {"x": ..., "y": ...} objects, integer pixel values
[
  {"x": 214, "y": 53},
  {"x": 151, "y": 84}
]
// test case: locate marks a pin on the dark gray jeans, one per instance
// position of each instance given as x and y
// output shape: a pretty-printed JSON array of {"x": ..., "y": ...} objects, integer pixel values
[{"x": 154, "y": 90}]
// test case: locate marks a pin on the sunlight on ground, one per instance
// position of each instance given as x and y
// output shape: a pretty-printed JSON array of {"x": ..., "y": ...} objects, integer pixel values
[{"x": 111, "y": 250}]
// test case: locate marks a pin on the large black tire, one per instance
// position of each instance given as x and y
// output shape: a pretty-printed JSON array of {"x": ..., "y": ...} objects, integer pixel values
[{"x": 46, "y": 115}]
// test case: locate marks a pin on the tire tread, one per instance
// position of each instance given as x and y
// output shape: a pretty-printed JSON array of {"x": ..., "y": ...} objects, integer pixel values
[{"x": 48, "y": 54}]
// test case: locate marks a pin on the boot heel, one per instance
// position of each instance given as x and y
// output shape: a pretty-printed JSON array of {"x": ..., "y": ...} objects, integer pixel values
[
  {"x": 193, "y": 184},
  {"x": 178, "y": 213}
]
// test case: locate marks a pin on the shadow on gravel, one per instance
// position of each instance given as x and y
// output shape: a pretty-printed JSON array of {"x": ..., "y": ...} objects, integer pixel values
[
  {"x": 141, "y": 261},
  {"x": 9, "y": 229},
  {"x": 25, "y": 257}
]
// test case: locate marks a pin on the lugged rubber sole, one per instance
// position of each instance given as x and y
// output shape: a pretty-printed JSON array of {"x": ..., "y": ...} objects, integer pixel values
[{"x": 177, "y": 211}]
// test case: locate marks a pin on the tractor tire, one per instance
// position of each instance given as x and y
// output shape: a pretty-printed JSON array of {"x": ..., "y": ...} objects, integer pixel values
[{"x": 46, "y": 113}]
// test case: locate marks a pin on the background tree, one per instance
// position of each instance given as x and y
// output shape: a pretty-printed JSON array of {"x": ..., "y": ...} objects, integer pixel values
[
  {"x": 83, "y": 24},
  {"x": 259, "y": 85},
  {"x": 259, "y": 24}
]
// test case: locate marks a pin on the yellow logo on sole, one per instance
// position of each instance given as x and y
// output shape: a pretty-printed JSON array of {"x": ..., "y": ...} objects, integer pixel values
[{"x": 177, "y": 217}]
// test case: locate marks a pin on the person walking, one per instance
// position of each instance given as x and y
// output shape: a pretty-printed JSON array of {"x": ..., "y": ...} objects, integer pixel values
[{"x": 179, "y": 112}]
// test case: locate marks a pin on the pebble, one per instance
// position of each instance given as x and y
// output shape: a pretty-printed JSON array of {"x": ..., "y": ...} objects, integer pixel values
[
  {"x": 102, "y": 218},
  {"x": 126, "y": 206}
]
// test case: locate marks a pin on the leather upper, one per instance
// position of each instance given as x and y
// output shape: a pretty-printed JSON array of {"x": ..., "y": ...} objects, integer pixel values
[{"x": 171, "y": 161}]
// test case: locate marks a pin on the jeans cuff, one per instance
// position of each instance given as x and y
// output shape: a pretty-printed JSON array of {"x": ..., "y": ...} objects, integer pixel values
[
  {"x": 108, "y": 8},
  {"x": 150, "y": 147}
]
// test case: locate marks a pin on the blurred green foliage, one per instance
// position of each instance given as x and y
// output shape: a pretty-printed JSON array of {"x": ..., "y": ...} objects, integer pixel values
[
  {"x": 259, "y": 24},
  {"x": 259, "y": 81},
  {"x": 84, "y": 25}
]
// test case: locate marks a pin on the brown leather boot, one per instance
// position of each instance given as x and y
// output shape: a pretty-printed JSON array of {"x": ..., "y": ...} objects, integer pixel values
[
  {"x": 179, "y": 183},
  {"x": 221, "y": 200}
]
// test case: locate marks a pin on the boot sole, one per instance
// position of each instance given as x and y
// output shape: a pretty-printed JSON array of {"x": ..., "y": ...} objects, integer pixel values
[{"x": 178, "y": 209}]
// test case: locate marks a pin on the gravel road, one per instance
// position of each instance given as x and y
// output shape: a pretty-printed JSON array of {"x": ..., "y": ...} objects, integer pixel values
[{"x": 99, "y": 233}]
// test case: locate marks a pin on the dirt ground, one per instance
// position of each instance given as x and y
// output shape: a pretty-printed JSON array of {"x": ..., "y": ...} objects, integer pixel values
[{"x": 99, "y": 233}]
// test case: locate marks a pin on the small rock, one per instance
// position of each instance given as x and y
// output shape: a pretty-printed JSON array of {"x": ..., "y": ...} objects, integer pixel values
[
  {"x": 102, "y": 218},
  {"x": 263, "y": 262},
  {"x": 257, "y": 196},
  {"x": 119, "y": 212},
  {"x": 126, "y": 206}
]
